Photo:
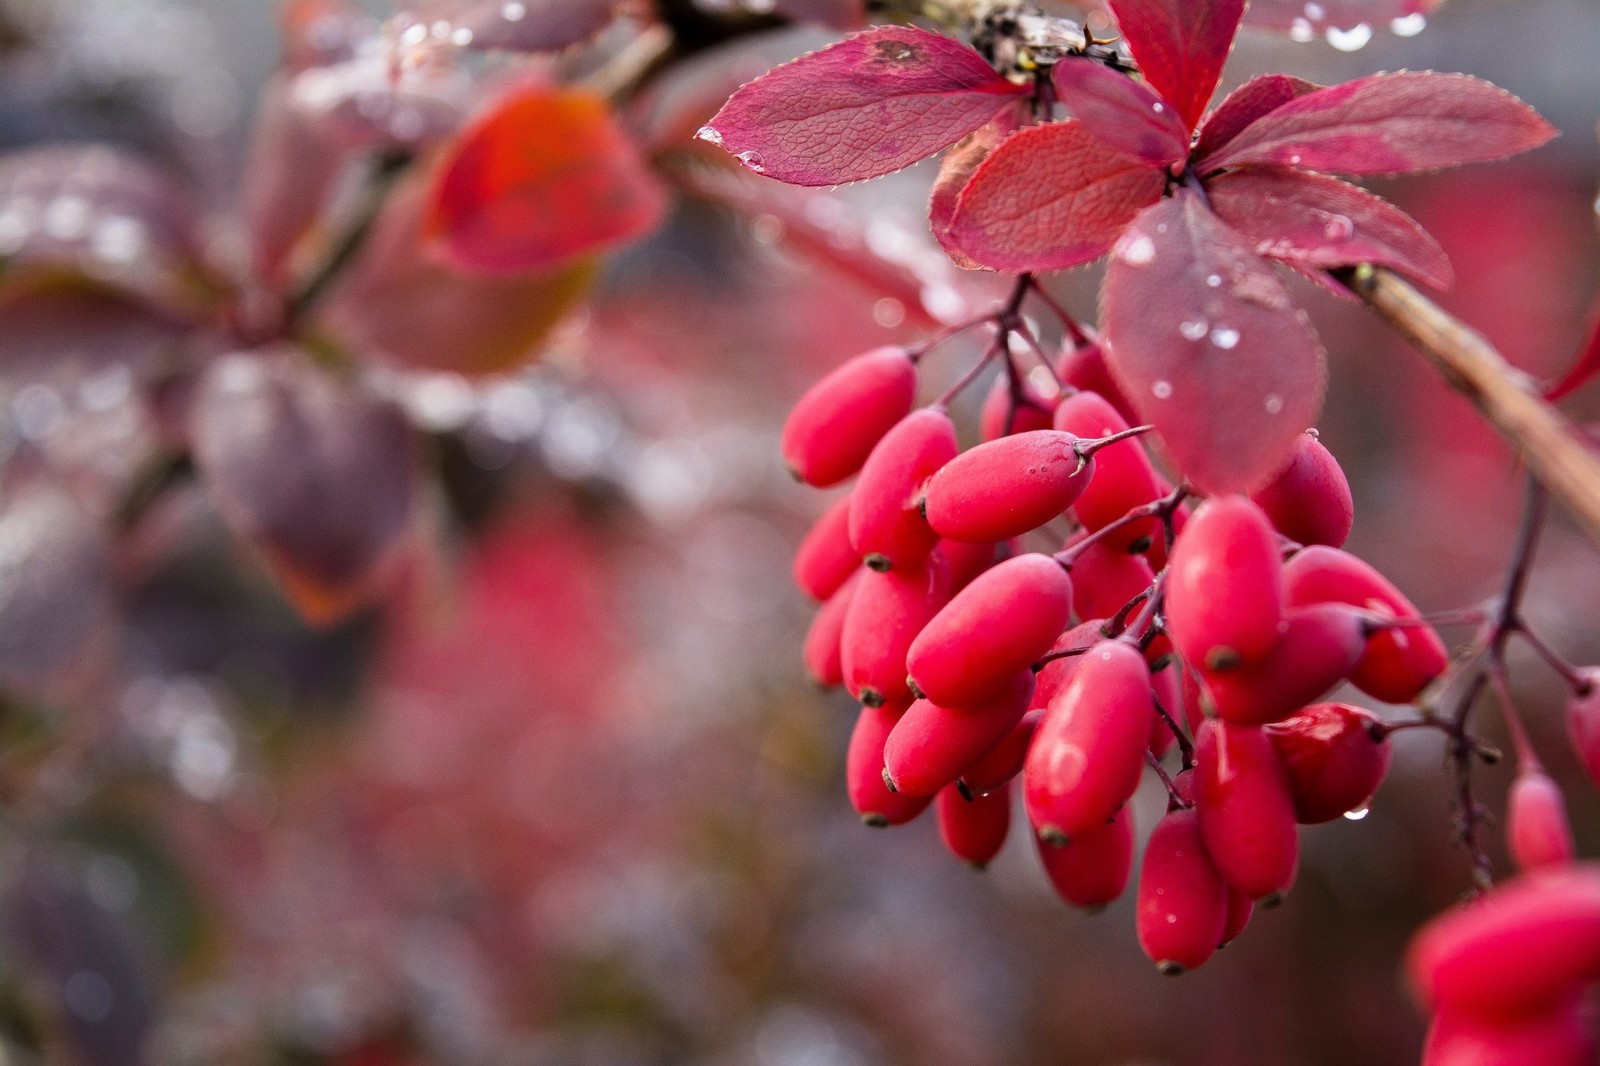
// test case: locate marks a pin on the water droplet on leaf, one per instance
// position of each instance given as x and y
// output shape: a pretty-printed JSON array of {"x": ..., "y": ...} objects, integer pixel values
[
  {"x": 1194, "y": 329},
  {"x": 753, "y": 161},
  {"x": 1338, "y": 228},
  {"x": 1225, "y": 338},
  {"x": 1408, "y": 25},
  {"x": 709, "y": 134},
  {"x": 1137, "y": 250},
  {"x": 1352, "y": 40}
]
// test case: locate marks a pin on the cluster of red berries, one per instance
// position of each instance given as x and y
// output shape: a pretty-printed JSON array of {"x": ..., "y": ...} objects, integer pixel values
[{"x": 1045, "y": 605}]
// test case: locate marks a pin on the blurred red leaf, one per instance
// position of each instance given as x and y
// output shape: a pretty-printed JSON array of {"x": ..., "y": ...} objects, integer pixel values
[
  {"x": 546, "y": 176},
  {"x": 1389, "y": 124},
  {"x": 1301, "y": 18},
  {"x": 1585, "y": 367},
  {"x": 1050, "y": 197},
  {"x": 534, "y": 25},
  {"x": 1317, "y": 221},
  {"x": 1255, "y": 98},
  {"x": 1180, "y": 46},
  {"x": 56, "y": 589},
  {"x": 956, "y": 169},
  {"x": 1121, "y": 112},
  {"x": 400, "y": 303},
  {"x": 288, "y": 176},
  {"x": 1208, "y": 346},
  {"x": 315, "y": 475},
  {"x": 870, "y": 105}
]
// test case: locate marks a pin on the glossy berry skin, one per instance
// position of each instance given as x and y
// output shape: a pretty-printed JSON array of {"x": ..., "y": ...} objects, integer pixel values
[
  {"x": 966, "y": 561},
  {"x": 1006, "y": 487},
  {"x": 1245, "y": 809},
  {"x": 886, "y": 613},
  {"x": 1089, "y": 752},
  {"x": 886, "y": 525},
  {"x": 1583, "y": 723},
  {"x": 1516, "y": 951},
  {"x": 1240, "y": 908},
  {"x": 1333, "y": 762},
  {"x": 1057, "y": 672},
  {"x": 1004, "y": 761},
  {"x": 1562, "y": 1035},
  {"x": 973, "y": 830},
  {"x": 932, "y": 745},
  {"x": 825, "y": 559},
  {"x": 996, "y": 418},
  {"x": 1084, "y": 367},
  {"x": 1319, "y": 648},
  {"x": 1183, "y": 901},
  {"x": 1225, "y": 595},
  {"x": 870, "y": 797},
  {"x": 838, "y": 421},
  {"x": 1399, "y": 662},
  {"x": 1105, "y": 577},
  {"x": 1538, "y": 833},
  {"x": 823, "y": 652},
  {"x": 1123, "y": 477},
  {"x": 1001, "y": 623},
  {"x": 1309, "y": 499},
  {"x": 1093, "y": 870}
]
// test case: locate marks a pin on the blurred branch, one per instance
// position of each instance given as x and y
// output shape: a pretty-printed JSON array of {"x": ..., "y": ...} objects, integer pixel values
[
  {"x": 1543, "y": 437},
  {"x": 385, "y": 173}
]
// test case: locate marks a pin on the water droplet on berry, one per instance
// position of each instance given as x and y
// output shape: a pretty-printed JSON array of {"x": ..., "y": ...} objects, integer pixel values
[
  {"x": 1162, "y": 390},
  {"x": 1158, "y": 107},
  {"x": 1224, "y": 338},
  {"x": 1137, "y": 250},
  {"x": 753, "y": 161},
  {"x": 1352, "y": 40},
  {"x": 1338, "y": 228},
  {"x": 1194, "y": 329},
  {"x": 1408, "y": 25},
  {"x": 1358, "y": 814},
  {"x": 709, "y": 134},
  {"x": 1274, "y": 404}
]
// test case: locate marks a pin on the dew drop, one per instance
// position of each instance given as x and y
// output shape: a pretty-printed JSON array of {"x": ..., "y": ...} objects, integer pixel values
[
  {"x": 1358, "y": 814},
  {"x": 514, "y": 11},
  {"x": 888, "y": 312},
  {"x": 753, "y": 161},
  {"x": 1295, "y": 158},
  {"x": 1338, "y": 228},
  {"x": 1194, "y": 329},
  {"x": 1274, "y": 404},
  {"x": 1214, "y": 280},
  {"x": 1352, "y": 40},
  {"x": 1302, "y": 31},
  {"x": 1137, "y": 251},
  {"x": 1162, "y": 390},
  {"x": 1224, "y": 338},
  {"x": 1158, "y": 107},
  {"x": 1408, "y": 25},
  {"x": 1315, "y": 12},
  {"x": 709, "y": 134}
]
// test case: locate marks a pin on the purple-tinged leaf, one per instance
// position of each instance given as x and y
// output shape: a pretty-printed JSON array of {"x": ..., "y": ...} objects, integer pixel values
[
  {"x": 956, "y": 170},
  {"x": 1050, "y": 197},
  {"x": 1390, "y": 124},
  {"x": 1346, "y": 24},
  {"x": 364, "y": 102},
  {"x": 1312, "y": 220},
  {"x": 533, "y": 25},
  {"x": 1584, "y": 368},
  {"x": 289, "y": 175},
  {"x": 1257, "y": 97},
  {"x": 314, "y": 475},
  {"x": 56, "y": 594},
  {"x": 1208, "y": 346},
  {"x": 1180, "y": 46},
  {"x": 1122, "y": 112},
  {"x": 870, "y": 105}
]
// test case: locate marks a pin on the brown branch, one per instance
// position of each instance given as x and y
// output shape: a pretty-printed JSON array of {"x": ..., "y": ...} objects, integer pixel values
[{"x": 1539, "y": 434}]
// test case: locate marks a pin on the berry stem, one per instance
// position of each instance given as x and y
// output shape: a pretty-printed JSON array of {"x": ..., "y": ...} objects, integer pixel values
[{"x": 1174, "y": 801}]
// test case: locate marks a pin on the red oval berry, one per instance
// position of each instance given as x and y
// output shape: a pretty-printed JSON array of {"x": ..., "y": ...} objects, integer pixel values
[
  {"x": 1183, "y": 902},
  {"x": 1319, "y": 648},
  {"x": 1538, "y": 833},
  {"x": 1093, "y": 870},
  {"x": 1399, "y": 662},
  {"x": 1583, "y": 722},
  {"x": 973, "y": 830},
  {"x": 1225, "y": 600},
  {"x": 886, "y": 613},
  {"x": 825, "y": 559},
  {"x": 836, "y": 423},
  {"x": 1245, "y": 809},
  {"x": 1123, "y": 477},
  {"x": 1562, "y": 1035},
  {"x": 997, "y": 418},
  {"x": 1105, "y": 578},
  {"x": 1333, "y": 761},
  {"x": 1006, "y": 487},
  {"x": 1515, "y": 951},
  {"x": 823, "y": 647},
  {"x": 1059, "y": 670},
  {"x": 1240, "y": 908},
  {"x": 1309, "y": 500},
  {"x": 1001, "y": 623},
  {"x": 1084, "y": 367},
  {"x": 966, "y": 561},
  {"x": 870, "y": 797},
  {"x": 932, "y": 745},
  {"x": 886, "y": 524},
  {"x": 1087, "y": 756},
  {"x": 1004, "y": 761}
]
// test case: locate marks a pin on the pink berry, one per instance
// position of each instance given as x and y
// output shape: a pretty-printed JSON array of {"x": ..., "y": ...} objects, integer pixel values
[
  {"x": 1084, "y": 367},
  {"x": 1105, "y": 577},
  {"x": 932, "y": 745},
  {"x": 1006, "y": 487},
  {"x": 823, "y": 647},
  {"x": 825, "y": 558},
  {"x": 1333, "y": 760},
  {"x": 1225, "y": 595},
  {"x": 1093, "y": 870},
  {"x": 1538, "y": 833},
  {"x": 1309, "y": 500},
  {"x": 886, "y": 613},
  {"x": 998, "y": 419},
  {"x": 838, "y": 420},
  {"x": 1319, "y": 648},
  {"x": 1123, "y": 477},
  {"x": 1245, "y": 808},
  {"x": 1004, "y": 761},
  {"x": 871, "y": 798},
  {"x": 1183, "y": 901},
  {"x": 886, "y": 524},
  {"x": 973, "y": 829}
]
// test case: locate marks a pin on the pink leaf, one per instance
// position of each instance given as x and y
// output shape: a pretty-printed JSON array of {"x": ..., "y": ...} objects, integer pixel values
[
  {"x": 956, "y": 169},
  {"x": 1180, "y": 46},
  {"x": 534, "y": 25},
  {"x": 1050, "y": 197},
  {"x": 1317, "y": 221},
  {"x": 289, "y": 175},
  {"x": 1121, "y": 112},
  {"x": 1255, "y": 98},
  {"x": 870, "y": 105},
  {"x": 1391, "y": 124},
  {"x": 1404, "y": 18},
  {"x": 1208, "y": 346}
]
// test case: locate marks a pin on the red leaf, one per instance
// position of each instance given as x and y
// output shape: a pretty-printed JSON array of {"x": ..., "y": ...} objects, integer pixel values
[
  {"x": 872, "y": 104},
  {"x": 1180, "y": 46},
  {"x": 1586, "y": 366},
  {"x": 1208, "y": 346},
  {"x": 956, "y": 169},
  {"x": 1391, "y": 124},
  {"x": 1316, "y": 221},
  {"x": 1120, "y": 111},
  {"x": 1050, "y": 197},
  {"x": 1257, "y": 97},
  {"x": 534, "y": 25},
  {"x": 545, "y": 177},
  {"x": 289, "y": 174},
  {"x": 1304, "y": 21}
]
